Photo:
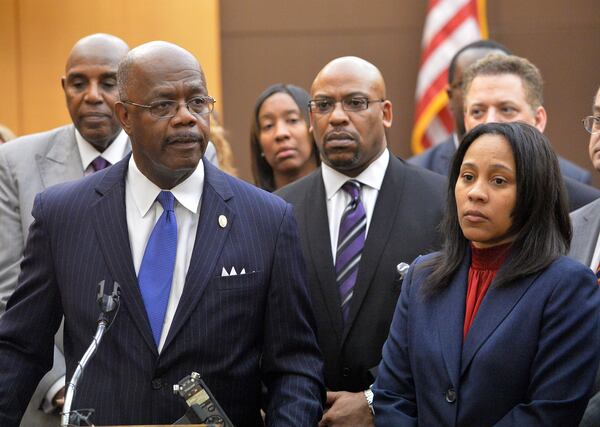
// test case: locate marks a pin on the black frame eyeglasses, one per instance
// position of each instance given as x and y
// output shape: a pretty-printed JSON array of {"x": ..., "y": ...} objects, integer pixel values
[
  {"x": 351, "y": 104},
  {"x": 165, "y": 109},
  {"x": 591, "y": 124}
]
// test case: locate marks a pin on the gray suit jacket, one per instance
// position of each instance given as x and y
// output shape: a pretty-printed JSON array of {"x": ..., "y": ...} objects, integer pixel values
[
  {"x": 29, "y": 165},
  {"x": 586, "y": 227}
]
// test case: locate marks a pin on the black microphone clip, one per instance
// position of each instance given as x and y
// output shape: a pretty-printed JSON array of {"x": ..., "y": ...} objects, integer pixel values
[{"x": 108, "y": 301}]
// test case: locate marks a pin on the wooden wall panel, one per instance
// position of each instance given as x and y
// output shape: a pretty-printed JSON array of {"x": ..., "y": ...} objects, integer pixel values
[
  {"x": 47, "y": 30},
  {"x": 9, "y": 65}
]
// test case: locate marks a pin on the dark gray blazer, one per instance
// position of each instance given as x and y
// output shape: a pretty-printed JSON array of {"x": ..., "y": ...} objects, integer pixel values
[{"x": 404, "y": 225}]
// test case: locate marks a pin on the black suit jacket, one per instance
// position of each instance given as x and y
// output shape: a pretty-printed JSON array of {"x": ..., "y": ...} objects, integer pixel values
[
  {"x": 404, "y": 225},
  {"x": 235, "y": 331}
]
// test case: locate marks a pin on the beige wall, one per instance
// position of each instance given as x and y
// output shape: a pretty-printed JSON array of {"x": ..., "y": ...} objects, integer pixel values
[
  {"x": 285, "y": 43},
  {"x": 37, "y": 35}
]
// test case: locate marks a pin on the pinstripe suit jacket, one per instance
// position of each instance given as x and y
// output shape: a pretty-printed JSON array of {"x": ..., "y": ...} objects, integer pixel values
[{"x": 235, "y": 331}]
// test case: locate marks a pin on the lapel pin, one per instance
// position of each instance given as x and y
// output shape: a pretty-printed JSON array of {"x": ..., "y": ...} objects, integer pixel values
[{"x": 222, "y": 221}]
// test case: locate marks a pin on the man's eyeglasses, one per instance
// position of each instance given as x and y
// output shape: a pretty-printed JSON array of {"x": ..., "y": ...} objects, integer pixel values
[
  {"x": 199, "y": 105},
  {"x": 591, "y": 124},
  {"x": 353, "y": 104}
]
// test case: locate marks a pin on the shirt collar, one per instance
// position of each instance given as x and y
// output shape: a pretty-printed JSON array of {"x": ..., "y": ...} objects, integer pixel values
[
  {"x": 372, "y": 176},
  {"x": 113, "y": 153},
  {"x": 187, "y": 193}
]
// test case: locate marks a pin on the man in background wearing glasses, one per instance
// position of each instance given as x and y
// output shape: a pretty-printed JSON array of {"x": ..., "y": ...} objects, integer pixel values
[
  {"x": 210, "y": 271},
  {"x": 360, "y": 215},
  {"x": 585, "y": 246}
]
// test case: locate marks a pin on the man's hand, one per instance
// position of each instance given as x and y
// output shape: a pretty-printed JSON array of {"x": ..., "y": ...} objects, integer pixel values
[
  {"x": 346, "y": 409},
  {"x": 58, "y": 400}
]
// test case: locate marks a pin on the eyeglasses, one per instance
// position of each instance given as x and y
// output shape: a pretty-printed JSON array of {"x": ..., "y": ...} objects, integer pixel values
[
  {"x": 352, "y": 104},
  {"x": 591, "y": 124},
  {"x": 199, "y": 105}
]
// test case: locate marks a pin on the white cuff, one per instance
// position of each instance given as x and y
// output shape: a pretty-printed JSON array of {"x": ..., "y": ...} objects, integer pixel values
[{"x": 47, "y": 405}]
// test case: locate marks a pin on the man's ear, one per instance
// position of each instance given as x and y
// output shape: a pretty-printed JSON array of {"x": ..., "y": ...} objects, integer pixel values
[
  {"x": 123, "y": 116},
  {"x": 63, "y": 82},
  {"x": 541, "y": 118},
  {"x": 388, "y": 114}
]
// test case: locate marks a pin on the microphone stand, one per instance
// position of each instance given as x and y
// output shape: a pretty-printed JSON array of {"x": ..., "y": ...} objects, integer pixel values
[{"x": 109, "y": 306}]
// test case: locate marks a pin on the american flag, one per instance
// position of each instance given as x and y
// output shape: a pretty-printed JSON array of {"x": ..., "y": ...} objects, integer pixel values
[{"x": 449, "y": 25}]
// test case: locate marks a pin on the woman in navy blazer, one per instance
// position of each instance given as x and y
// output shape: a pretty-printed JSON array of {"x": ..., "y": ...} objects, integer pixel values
[{"x": 521, "y": 352}]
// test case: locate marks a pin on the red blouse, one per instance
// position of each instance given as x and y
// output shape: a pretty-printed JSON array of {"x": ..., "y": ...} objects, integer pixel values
[{"x": 485, "y": 263}]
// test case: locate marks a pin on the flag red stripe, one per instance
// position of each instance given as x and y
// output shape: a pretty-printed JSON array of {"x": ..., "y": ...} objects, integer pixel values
[{"x": 466, "y": 12}]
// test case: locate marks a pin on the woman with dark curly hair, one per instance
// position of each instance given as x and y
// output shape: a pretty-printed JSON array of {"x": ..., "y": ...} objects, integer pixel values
[
  {"x": 282, "y": 148},
  {"x": 498, "y": 328}
]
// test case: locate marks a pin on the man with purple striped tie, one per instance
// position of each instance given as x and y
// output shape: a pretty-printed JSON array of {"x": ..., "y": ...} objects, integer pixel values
[{"x": 360, "y": 214}]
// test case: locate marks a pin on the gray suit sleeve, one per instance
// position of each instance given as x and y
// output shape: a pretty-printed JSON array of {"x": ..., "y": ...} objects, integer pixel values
[
  {"x": 11, "y": 234},
  {"x": 12, "y": 241}
]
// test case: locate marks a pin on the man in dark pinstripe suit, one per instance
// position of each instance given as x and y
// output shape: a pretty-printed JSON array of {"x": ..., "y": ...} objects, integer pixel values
[{"x": 238, "y": 308}]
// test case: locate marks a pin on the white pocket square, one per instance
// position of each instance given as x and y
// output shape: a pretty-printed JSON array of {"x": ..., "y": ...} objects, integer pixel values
[{"x": 233, "y": 272}]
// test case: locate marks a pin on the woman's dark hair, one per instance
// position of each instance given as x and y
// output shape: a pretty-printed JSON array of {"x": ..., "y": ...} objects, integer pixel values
[
  {"x": 540, "y": 220},
  {"x": 261, "y": 170}
]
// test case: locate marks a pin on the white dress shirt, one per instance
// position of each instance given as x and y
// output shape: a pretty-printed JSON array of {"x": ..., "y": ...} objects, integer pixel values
[
  {"x": 113, "y": 153},
  {"x": 596, "y": 257},
  {"x": 337, "y": 199},
  {"x": 143, "y": 211}
]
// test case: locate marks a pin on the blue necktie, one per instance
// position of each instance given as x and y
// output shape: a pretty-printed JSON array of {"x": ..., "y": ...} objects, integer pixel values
[
  {"x": 351, "y": 240},
  {"x": 156, "y": 271}
]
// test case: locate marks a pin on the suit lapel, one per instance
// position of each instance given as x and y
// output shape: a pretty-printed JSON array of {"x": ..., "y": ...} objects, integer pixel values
[
  {"x": 585, "y": 233},
  {"x": 110, "y": 222},
  {"x": 380, "y": 228},
  {"x": 449, "y": 308},
  {"x": 496, "y": 306},
  {"x": 210, "y": 240},
  {"x": 62, "y": 162},
  {"x": 319, "y": 244}
]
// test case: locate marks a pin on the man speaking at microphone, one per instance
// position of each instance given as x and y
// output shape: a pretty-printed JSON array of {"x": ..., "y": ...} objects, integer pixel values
[{"x": 210, "y": 270}]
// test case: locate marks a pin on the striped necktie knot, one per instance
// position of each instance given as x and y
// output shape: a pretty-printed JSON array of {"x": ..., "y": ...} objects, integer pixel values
[{"x": 352, "y": 187}]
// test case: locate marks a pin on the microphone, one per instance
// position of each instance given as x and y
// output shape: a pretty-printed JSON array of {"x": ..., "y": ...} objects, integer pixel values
[
  {"x": 109, "y": 303},
  {"x": 204, "y": 408}
]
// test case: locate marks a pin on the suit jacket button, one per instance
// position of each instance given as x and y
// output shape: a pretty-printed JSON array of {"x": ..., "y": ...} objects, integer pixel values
[
  {"x": 346, "y": 371},
  {"x": 157, "y": 384},
  {"x": 450, "y": 395}
]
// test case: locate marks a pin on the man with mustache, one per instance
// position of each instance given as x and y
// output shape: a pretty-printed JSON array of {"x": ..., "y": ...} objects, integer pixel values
[
  {"x": 360, "y": 214},
  {"x": 30, "y": 164},
  {"x": 210, "y": 271}
]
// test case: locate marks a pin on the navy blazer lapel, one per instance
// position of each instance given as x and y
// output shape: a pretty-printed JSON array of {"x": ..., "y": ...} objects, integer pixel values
[
  {"x": 319, "y": 244},
  {"x": 110, "y": 221},
  {"x": 210, "y": 240},
  {"x": 449, "y": 307},
  {"x": 380, "y": 227},
  {"x": 495, "y": 307}
]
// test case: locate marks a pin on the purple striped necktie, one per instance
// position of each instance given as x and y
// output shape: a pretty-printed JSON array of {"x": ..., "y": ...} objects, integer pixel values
[
  {"x": 99, "y": 163},
  {"x": 351, "y": 240}
]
